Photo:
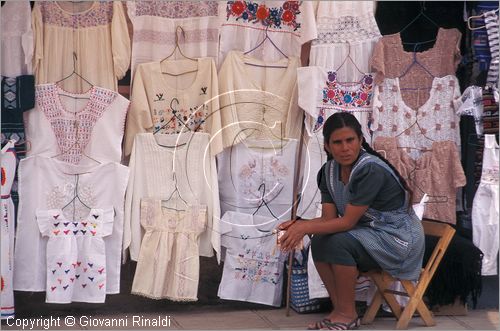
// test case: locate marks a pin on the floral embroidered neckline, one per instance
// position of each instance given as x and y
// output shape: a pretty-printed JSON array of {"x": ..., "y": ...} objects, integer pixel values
[{"x": 274, "y": 17}]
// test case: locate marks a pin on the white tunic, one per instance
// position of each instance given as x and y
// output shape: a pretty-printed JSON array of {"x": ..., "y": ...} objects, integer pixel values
[
  {"x": 153, "y": 162},
  {"x": 254, "y": 172},
  {"x": 70, "y": 128},
  {"x": 17, "y": 39},
  {"x": 289, "y": 24},
  {"x": 253, "y": 265},
  {"x": 46, "y": 183},
  {"x": 76, "y": 254},
  {"x": 155, "y": 23},
  {"x": 7, "y": 232}
]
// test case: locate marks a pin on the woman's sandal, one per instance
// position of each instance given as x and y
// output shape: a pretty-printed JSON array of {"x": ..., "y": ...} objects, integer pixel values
[
  {"x": 328, "y": 325},
  {"x": 318, "y": 325}
]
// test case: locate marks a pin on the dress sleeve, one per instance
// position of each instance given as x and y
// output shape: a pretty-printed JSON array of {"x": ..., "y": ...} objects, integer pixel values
[
  {"x": 322, "y": 185},
  {"x": 37, "y": 26},
  {"x": 366, "y": 184},
  {"x": 132, "y": 225},
  {"x": 215, "y": 114},
  {"x": 27, "y": 38},
  {"x": 107, "y": 221},
  {"x": 120, "y": 40},
  {"x": 309, "y": 29},
  {"x": 139, "y": 116},
  {"x": 44, "y": 224},
  {"x": 377, "y": 61}
]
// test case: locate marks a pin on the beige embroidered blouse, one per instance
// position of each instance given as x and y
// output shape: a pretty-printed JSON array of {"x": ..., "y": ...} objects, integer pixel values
[{"x": 390, "y": 60}]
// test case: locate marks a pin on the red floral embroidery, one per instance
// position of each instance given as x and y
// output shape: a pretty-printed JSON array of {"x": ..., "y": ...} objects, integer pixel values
[
  {"x": 276, "y": 17},
  {"x": 358, "y": 98},
  {"x": 3, "y": 176}
]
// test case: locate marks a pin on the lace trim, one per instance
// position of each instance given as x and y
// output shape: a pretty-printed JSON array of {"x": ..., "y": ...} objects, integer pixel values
[
  {"x": 164, "y": 297},
  {"x": 346, "y": 29},
  {"x": 176, "y": 9},
  {"x": 100, "y": 14}
]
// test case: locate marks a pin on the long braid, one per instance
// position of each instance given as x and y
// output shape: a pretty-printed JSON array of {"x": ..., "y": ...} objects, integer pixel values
[{"x": 371, "y": 151}]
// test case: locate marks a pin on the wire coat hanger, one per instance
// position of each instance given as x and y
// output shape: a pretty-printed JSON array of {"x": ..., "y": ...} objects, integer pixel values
[
  {"x": 478, "y": 16},
  {"x": 75, "y": 198},
  {"x": 177, "y": 47},
  {"x": 75, "y": 58},
  {"x": 420, "y": 14},
  {"x": 263, "y": 201},
  {"x": 259, "y": 45},
  {"x": 176, "y": 190},
  {"x": 348, "y": 57}
]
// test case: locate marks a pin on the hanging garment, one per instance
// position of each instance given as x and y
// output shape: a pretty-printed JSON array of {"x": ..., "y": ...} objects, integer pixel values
[
  {"x": 485, "y": 209},
  {"x": 390, "y": 60},
  {"x": 185, "y": 99},
  {"x": 47, "y": 184},
  {"x": 245, "y": 24},
  {"x": 17, "y": 39},
  {"x": 261, "y": 172},
  {"x": 7, "y": 232},
  {"x": 491, "y": 21},
  {"x": 321, "y": 94},
  {"x": 157, "y": 163},
  {"x": 77, "y": 129},
  {"x": 472, "y": 105},
  {"x": 76, "y": 254},
  {"x": 258, "y": 99},
  {"x": 345, "y": 28},
  {"x": 155, "y": 25},
  {"x": 480, "y": 47},
  {"x": 169, "y": 265},
  {"x": 96, "y": 33},
  {"x": 397, "y": 252},
  {"x": 437, "y": 172},
  {"x": 435, "y": 120},
  {"x": 253, "y": 265}
]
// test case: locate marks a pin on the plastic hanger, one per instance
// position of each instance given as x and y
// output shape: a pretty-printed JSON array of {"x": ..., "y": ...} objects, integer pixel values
[
  {"x": 478, "y": 16},
  {"x": 176, "y": 190},
  {"x": 260, "y": 44},
  {"x": 75, "y": 58},
  {"x": 177, "y": 47},
  {"x": 348, "y": 57}
]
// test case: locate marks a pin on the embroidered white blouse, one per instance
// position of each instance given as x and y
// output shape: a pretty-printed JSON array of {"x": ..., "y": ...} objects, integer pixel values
[
  {"x": 96, "y": 32},
  {"x": 76, "y": 254},
  {"x": 165, "y": 102},
  {"x": 45, "y": 184},
  {"x": 155, "y": 24},
  {"x": 258, "y": 99},
  {"x": 76, "y": 129},
  {"x": 288, "y": 24},
  {"x": 17, "y": 38},
  {"x": 153, "y": 162}
]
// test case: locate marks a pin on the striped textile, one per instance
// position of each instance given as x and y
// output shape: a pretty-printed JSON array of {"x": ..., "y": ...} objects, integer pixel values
[{"x": 491, "y": 21}]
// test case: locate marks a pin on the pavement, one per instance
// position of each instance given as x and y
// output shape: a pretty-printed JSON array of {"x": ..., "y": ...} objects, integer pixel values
[{"x": 211, "y": 318}]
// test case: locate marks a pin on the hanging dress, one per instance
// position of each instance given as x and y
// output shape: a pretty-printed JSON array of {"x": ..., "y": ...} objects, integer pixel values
[{"x": 7, "y": 232}]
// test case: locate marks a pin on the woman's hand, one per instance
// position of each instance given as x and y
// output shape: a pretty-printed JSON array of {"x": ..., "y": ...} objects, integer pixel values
[{"x": 294, "y": 233}]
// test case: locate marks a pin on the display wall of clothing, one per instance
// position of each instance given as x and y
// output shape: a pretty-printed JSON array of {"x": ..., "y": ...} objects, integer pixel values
[
  {"x": 96, "y": 32},
  {"x": 168, "y": 266},
  {"x": 485, "y": 208},
  {"x": 153, "y": 161},
  {"x": 321, "y": 94},
  {"x": 437, "y": 172},
  {"x": 76, "y": 254},
  {"x": 258, "y": 99},
  {"x": 45, "y": 184},
  {"x": 345, "y": 27},
  {"x": 155, "y": 22},
  {"x": 77, "y": 127},
  {"x": 418, "y": 128},
  {"x": 8, "y": 169},
  {"x": 390, "y": 60},
  {"x": 245, "y": 24},
  {"x": 175, "y": 96},
  {"x": 253, "y": 265},
  {"x": 254, "y": 172}
]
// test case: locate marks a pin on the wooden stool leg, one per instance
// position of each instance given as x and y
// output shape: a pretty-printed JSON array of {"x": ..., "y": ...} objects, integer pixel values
[
  {"x": 422, "y": 309},
  {"x": 371, "y": 312}
]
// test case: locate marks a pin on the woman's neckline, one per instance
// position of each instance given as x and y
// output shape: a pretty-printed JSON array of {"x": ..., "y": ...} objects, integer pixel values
[
  {"x": 194, "y": 84},
  {"x": 76, "y": 13},
  {"x": 430, "y": 50}
]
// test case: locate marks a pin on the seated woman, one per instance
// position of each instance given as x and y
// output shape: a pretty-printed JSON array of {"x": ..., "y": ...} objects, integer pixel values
[{"x": 367, "y": 221}]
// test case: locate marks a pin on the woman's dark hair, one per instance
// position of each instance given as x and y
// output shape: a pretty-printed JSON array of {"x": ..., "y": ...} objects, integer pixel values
[{"x": 344, "y": 119}]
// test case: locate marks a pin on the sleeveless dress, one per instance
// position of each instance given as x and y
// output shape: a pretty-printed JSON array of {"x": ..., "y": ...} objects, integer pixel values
[{"x": 394, "y": 239}]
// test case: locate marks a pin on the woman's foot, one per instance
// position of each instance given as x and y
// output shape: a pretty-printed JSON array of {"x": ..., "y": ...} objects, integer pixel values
[
  {"x": 318, "y": 325},
  {"x": 339, "y": 321}
]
